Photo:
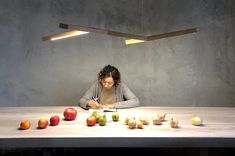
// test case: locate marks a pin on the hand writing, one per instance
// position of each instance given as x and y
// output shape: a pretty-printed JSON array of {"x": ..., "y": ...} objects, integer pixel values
[{"x": 94, "y": 104}]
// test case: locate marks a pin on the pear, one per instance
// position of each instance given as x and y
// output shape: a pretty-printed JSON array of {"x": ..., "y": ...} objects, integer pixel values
[
  {"x": 162, "y": 116},
  {"x": 94, "y": 113},
  {"x": 144, "y": 120},
  {"x": 157, "y": 120},
  {"x": 132, "y": 123},
  {"x": 97, "y": 118},
  {"x": 102, "y": 120},
  {"x": 139, "y": 125}
]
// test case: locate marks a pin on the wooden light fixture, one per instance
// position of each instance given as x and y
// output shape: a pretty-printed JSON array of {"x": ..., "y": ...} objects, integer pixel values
[{"x": 129, "y": 38}]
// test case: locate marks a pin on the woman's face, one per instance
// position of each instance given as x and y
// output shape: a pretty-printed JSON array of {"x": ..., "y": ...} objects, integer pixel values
[{"x": 108, "y": 83}]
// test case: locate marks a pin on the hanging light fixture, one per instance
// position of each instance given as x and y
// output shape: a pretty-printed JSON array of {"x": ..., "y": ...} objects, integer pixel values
[
  {"x": 133, "y": 41},
  {"x": 75, "y": 30},
  {"x": 64, "y": 35}
]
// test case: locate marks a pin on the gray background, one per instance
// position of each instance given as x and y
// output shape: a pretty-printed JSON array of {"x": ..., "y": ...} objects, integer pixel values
[{"x": 191, "y": 70}]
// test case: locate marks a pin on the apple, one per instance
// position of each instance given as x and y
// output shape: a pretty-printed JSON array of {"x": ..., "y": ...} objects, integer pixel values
[
  {"x": 91, "y": 121},
  {"x": 42, "y": 123},
  {"x": 54, "y": 120},
  {"x": 157, "y": 120},
  {"x": 196, "y": 120},
  {"x": 174, "y": 123},
  {"x": 70, "y": 113},
  {"x": 25, "y": 124},
  {"x": 115, "y": 116}
]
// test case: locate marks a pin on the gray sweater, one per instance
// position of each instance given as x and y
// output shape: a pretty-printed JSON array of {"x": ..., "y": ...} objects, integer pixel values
[{"x": 124, "y": 96}]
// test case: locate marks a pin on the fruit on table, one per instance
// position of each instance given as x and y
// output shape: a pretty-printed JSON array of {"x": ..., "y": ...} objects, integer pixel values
[
  {"x": 196, "y": 120},
  {"x": 144, "y": 120},
  {"x": 25, "y": 124},
  {"x": 157, "y": 120},
  {"x": 115, "y": 116},
  {"x": 132, "y": 123},
  {"x": 174, "y": 123},
  {"x": 97, "y": 118},
  {"x": 54, "y": 120},
  {"x": 42, "y": 123},
  {"x": 127, "y": 120},
  {"x": 70, "y": 113},
  {"x": 162, "y": 116},
  {"x": 91, "y": 121},
  {"x": 102, "y": 120},
  {"x": 139, "y": 125},
  {"x": 96, "y": 115}
]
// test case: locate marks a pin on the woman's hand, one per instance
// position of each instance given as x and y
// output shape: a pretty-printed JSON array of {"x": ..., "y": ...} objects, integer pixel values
[
  {"x": 108, "y": 106},
  {"x": 93, "y": 104}
]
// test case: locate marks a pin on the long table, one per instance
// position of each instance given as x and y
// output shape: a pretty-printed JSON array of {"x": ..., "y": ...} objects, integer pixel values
[{"x": 218, "y": 129}]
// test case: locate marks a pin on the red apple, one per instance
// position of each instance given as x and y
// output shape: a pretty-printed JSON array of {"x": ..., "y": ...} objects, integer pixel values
[
  {"x": 42, "y": 123},
  {"x": 91, "y": 121},
  {"x": 70, "y": 113},
  {"x": 54, "y": 120}
]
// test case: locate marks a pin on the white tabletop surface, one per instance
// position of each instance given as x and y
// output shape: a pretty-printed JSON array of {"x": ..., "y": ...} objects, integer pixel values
[{"x": 218, "y": 129}]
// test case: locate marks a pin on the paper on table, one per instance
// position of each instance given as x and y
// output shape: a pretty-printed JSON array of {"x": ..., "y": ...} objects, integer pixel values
[{"x": 103, "y": 110}]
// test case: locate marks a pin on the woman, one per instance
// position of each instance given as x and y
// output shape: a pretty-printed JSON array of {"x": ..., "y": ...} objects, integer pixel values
[{"x": 109, "y": 92}]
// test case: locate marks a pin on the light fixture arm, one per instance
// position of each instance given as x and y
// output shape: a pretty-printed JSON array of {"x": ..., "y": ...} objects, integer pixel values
[
  {"x": 102, "y": 31},
  {"x": 132, "y": 37}
]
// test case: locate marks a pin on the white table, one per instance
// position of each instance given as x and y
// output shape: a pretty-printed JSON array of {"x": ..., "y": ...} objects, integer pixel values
[{"x": 218, "y": 129}]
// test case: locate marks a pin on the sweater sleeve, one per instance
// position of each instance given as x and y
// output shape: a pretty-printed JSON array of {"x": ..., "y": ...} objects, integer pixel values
[
  {"x": 129, "y": 98},
  {"x": 91, "y": 92}
]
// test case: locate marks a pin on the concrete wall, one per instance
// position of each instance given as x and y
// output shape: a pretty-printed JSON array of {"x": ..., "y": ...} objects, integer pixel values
[{"x": 191, "y": 70}]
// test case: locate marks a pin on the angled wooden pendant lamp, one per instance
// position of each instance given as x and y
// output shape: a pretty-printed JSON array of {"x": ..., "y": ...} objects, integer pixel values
[{"x": 74, "y": 30}]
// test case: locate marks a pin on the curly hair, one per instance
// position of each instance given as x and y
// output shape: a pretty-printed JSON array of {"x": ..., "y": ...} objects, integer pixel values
[{"x": 110, "y": 71}]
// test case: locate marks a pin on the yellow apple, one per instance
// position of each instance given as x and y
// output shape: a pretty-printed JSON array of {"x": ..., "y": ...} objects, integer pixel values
[
  {"x": 196, "y": 120},
  {"x": 42, "y": 123},
  {"x": 115, "y": 116},
  {"x": 174, "y": 123}
]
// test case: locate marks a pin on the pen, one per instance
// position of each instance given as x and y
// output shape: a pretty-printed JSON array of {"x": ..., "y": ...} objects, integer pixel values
[{"x": 95, "y": 99}]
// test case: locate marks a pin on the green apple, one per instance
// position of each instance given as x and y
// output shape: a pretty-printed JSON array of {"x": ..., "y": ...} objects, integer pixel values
[{"x": 115, "y": 116}]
